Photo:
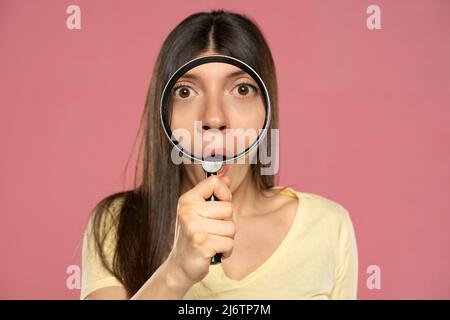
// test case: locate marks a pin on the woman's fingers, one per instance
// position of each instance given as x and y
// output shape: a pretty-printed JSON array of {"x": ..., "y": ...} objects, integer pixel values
[
  {"x": 222, "y": 210},
  {"x": 204, "y": 189},
  {"x": 206, "y": 227},
  {"x": 211, "y": 244},
  {"x": 222, "y": 228}
]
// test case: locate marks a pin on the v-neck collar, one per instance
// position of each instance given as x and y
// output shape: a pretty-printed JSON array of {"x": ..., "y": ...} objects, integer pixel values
[{"x": 217, "y": 276}]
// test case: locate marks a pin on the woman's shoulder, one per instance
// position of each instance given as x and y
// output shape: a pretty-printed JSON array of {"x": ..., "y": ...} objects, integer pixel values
[
  {"x": 319, "y": 207},
  {"x": 101, "y": 227},
  {"x": 327, "y": 220},
  {"x": 105, "y": 213}
]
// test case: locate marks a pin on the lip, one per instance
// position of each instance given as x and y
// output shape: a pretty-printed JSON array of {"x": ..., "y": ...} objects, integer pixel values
[
  {"x": 223, "y": 171},
  {"x": 216, "y": 153}
]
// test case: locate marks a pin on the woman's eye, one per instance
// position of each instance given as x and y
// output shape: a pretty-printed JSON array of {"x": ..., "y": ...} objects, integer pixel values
[
  {"x": 183, "y": 92},
  {"x": 245, "y": 89}
]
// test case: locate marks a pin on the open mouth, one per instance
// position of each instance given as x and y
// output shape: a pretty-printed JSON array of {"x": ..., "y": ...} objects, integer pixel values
[{"x": 215, "y": 155}]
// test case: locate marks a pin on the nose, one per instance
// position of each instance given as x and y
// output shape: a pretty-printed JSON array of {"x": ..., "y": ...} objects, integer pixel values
[{"x": 214, "y": 116}]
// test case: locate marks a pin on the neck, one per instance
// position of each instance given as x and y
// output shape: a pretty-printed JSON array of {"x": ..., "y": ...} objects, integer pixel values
[{"x": 246, "y": 198}]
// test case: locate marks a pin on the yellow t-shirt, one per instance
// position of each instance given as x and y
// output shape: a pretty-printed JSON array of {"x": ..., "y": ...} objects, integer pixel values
[
  {"x": 317, "y": 259},
  {"x": 94, "y": 276}
]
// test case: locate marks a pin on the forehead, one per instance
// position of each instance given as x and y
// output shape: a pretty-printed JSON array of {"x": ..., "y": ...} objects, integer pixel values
[{"x": 214, "y": 71}]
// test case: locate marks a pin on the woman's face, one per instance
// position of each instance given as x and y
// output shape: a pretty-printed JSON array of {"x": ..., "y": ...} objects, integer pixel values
[{"x": 221, "y": 109}]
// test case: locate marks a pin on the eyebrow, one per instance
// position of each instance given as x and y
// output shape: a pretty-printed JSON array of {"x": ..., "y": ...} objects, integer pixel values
[{"x": 230, "y": 75}]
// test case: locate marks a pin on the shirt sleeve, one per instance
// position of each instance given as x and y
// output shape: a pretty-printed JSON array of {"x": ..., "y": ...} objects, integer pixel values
[
  {"x": 346, "y": 283},
  {"x": 94, "y": 274}
]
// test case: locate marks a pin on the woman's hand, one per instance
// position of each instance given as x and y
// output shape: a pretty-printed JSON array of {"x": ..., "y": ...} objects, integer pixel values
[{"x": 205, "y": 228}]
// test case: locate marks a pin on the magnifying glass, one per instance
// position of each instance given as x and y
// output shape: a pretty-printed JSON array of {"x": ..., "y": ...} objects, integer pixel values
[{"x": 215, "y": 110}]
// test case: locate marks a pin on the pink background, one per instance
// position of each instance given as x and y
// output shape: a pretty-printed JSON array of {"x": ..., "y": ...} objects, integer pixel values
[{"x": 364, "y": 121}]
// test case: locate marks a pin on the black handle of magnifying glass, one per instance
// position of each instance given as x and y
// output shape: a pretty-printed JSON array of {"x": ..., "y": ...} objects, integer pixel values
[{"x": 218, "y": 256}]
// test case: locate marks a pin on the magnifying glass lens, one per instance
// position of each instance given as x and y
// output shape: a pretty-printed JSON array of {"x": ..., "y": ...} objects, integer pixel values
[{"x": 216, "y": 111}]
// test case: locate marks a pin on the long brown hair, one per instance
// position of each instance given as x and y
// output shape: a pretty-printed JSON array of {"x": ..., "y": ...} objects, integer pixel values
[{"x": 144, "y": 223}]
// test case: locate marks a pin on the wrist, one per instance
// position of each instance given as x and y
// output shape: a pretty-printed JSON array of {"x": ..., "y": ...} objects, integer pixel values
[{"x": 174, "y": 277}]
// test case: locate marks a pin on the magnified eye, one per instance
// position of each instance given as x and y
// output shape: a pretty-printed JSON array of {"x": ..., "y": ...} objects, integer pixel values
[
  {"x": 183, "y": 91},
  {"x": 245, "y": 89}
]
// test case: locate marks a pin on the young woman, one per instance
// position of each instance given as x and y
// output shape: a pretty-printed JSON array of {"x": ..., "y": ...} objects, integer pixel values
[{"x": 277, "y": 243}]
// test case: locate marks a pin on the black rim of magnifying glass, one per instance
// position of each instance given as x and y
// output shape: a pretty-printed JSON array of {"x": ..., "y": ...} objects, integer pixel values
[{"x": 195, "y": 63}]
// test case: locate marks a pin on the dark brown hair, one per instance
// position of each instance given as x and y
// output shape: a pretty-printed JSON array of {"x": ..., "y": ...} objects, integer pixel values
[{"x": 145, "y": 222}]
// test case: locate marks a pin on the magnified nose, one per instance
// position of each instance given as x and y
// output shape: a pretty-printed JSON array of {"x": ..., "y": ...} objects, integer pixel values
[{"x": 214, "y": 115}]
